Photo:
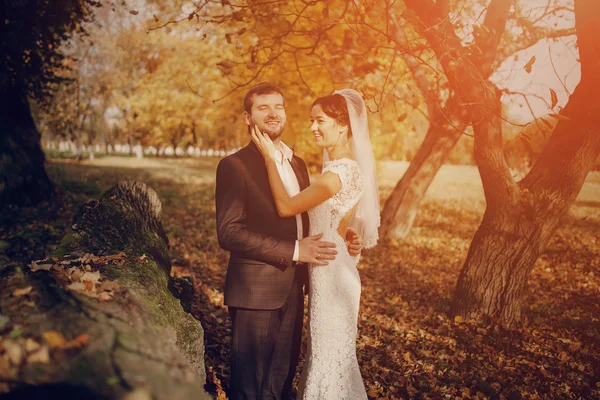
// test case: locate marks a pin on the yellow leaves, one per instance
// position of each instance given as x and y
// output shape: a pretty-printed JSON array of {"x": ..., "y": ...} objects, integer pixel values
[
  {"x": 376, "y": 391},
  {"x": 18, "y": 350},
  {"x": 78, "y": 342},
  {"x": 87, "y": 258},
  {"x": 106, "y": 296},
  {"x": 13, "y": 351},
  {"x": 529, "y": 64},
  {"x": 55, "y": 339},
  {"x": 466, "y": 392},
  {"x": 108, "y": 286},
  {"x": 369, "y": 92},
  {"x": 82, "y": 279},
  {"x": 459, "y": 319},
  {"x": 31, "y": 345},
  {"x": 22, "y": 292},
  {"x": 88, "y": 283},
  {"x": 90, "y": 279},
  {"x": 574, "y": 346},
  {"x": 76, "y": 286},
  {"x": 40, "y": 356},
  {"x": 225, "y": 64},
  {"x": 34, "y": 266},
  {"x": 553, "y": 98}
]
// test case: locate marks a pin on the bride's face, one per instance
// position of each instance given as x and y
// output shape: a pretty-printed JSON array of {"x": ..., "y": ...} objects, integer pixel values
[{"x": 326, "y": 130}]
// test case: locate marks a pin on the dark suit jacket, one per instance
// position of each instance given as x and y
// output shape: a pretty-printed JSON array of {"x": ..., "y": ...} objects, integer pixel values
[{"x": 260, "y": 270}]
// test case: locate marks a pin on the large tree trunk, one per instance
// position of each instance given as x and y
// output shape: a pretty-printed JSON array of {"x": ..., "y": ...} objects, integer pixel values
[
  {"x": 23, "y": 178},
  {"x": 512, "y": 235},
  {"x": 519, "y": 218},
  {"x": 510, "y": 240},
  {"x": 401, "y": 207},
  {"x": 93, "y": 322},
  {"x": 501, "y": 255}
]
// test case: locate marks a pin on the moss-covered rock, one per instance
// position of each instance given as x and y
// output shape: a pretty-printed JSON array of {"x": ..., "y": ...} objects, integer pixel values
[{"x": 140, "y": 338}]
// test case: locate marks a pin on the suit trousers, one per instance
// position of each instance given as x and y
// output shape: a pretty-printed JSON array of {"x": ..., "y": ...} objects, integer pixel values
[{"x": 265, "y": 347}]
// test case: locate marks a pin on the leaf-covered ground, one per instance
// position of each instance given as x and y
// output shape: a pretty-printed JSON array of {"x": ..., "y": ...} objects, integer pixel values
[{"x": 407, "y": 346}]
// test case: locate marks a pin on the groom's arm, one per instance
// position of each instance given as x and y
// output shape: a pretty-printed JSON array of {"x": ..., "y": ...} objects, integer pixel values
[{"x": 232, "y": 230}]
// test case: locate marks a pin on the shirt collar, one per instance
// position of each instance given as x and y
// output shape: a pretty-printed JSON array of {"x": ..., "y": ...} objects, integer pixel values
[{"x": 283, "y": 153}]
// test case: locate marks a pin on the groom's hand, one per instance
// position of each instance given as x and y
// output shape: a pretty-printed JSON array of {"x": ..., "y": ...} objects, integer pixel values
[
  {"x": 354, "y": 242},
  {"x": 315, "y": 251}
]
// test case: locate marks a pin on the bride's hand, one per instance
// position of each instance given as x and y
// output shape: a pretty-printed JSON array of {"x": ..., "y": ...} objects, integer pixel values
[
  {"x": 264, "y": 143},
  {"x": 354, "y": 242}
]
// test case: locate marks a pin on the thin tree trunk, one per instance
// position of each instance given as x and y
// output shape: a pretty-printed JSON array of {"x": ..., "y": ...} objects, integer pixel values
[
  {"x": 446, "y": 124},
  {"x": 401, "y": 207},
  {"x": 23, "y": 178}
]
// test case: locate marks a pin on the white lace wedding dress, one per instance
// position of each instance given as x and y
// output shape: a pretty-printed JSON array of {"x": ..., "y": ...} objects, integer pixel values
[{"x": 331, "y": 370}]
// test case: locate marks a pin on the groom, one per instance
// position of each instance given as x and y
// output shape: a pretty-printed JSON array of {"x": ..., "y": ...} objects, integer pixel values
[{"x": 269, "y": 254}]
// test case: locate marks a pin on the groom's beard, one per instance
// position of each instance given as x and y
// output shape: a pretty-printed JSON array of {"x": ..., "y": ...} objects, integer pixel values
[{"x": 274, "y": 132}]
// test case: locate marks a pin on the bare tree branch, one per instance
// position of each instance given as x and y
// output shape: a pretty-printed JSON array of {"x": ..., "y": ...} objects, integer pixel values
[
  {"x": 468, "y": 77},
  {"x": 488, "y": 38},
  {"x": 556, "y": 73},
  {"x": 530, "y": 37}
]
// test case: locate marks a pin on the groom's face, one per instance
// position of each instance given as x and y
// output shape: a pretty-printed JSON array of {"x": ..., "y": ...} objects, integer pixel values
[{"x": 268, "y": 114}]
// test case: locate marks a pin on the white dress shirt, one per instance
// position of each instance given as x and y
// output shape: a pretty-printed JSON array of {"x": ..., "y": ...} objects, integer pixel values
[{"x": 283, "y": 157}]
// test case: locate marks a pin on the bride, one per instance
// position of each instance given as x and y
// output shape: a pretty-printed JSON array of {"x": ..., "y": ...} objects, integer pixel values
[{"x": 345, "y": 195}]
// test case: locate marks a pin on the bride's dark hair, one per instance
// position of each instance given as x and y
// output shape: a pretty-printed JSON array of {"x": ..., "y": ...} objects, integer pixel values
[{"x": 334, "y": 106}]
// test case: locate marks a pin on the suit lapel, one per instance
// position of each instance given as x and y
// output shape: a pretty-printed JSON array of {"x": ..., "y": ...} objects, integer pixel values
[
  {"x": 301, "y": 174},
  {"x": 263, "y": 177},
  {"x": 303, "y": 182}
]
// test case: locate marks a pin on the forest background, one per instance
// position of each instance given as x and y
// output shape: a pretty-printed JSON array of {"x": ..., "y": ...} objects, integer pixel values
[{"x": 505, "y": 89}]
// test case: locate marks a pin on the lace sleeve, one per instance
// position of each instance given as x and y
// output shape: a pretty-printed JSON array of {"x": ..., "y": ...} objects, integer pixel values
[
  {"x": 340, "y": 170},
  {"x": 351, "y": 179}
]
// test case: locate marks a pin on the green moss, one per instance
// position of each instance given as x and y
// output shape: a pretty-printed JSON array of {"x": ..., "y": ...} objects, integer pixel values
[
  {"x": 150, "y": 283},
  {"x": 89, "y": 365},
  {"x": 112, "y": 380},
  {"x": 67, "y": 244},
  {"x": 190, "y": 337},
  {"x": 112, "y": 272}
]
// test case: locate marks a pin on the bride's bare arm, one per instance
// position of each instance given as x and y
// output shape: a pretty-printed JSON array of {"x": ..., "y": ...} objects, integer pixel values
[{"x": 323, "y": 188}]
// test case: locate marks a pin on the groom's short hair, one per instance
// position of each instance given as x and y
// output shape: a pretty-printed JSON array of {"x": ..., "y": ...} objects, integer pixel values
[{"x": 261, "y": 88}]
